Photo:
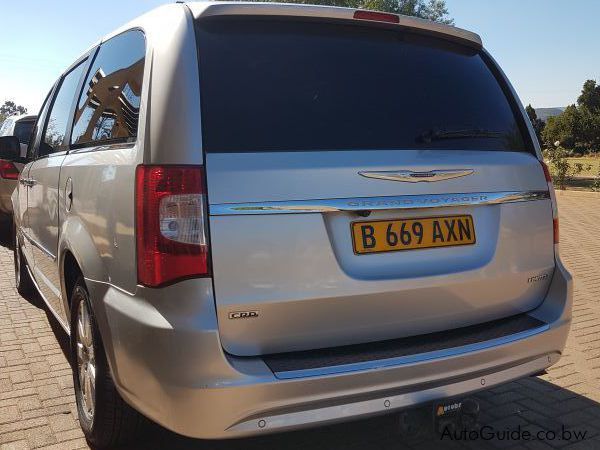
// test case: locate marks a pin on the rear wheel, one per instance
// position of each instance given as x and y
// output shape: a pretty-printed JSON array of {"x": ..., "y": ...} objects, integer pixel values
[
  {"x": 6, "y": 230},
  {"x": 23, "y": 280},
  {"x": 106, "y": 420}
]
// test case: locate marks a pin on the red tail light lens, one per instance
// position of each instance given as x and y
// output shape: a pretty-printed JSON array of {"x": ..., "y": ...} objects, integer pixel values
[
  {"x": 170, "y": 212},
  {"x": 377, "y": 16},
  {"x": 550, "y": 189},
  {"x": 8, "y": 170},
  {"x": 546, "y": 172}
]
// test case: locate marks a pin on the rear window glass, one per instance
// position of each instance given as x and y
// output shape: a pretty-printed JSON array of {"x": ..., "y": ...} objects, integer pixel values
[
  {"x": 23, "y": 131},
  {"x": 269, "y": 85}
]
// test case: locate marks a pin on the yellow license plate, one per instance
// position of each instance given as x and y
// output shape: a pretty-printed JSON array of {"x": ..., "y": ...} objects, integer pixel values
[{"x": 411, "y": 234}]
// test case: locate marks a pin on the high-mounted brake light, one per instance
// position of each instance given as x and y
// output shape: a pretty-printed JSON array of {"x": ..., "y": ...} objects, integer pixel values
[
  {"x": 8, "y": 170},
  {"x": 377, "y": 16},
  {"x": 171, "y": 238}
]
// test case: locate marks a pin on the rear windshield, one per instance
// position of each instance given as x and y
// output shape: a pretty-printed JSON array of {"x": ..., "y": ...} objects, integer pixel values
[
  {"x": 23, "y": 131},
  {"x": 273, "y": 85}
]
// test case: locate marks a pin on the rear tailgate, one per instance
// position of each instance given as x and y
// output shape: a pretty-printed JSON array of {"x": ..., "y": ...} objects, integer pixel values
[{"x": 299, "y": 122}]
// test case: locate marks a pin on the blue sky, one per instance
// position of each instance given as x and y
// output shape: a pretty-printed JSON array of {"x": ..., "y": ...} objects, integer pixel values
[{"x": 547, "y": 48}]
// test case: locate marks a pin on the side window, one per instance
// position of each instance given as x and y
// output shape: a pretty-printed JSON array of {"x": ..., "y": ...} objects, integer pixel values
[
  {"x": 39, "y": 126},
  {"x": 109, "y": 105},
  {"x": 58, "y": 120}
]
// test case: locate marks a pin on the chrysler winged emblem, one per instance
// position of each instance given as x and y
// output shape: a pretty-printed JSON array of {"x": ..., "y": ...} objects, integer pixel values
[{"x": 417, "y": 177}]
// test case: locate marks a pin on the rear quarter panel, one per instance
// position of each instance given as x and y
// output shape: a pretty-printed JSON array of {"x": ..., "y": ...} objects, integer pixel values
[{"x": 99, "y": 228}]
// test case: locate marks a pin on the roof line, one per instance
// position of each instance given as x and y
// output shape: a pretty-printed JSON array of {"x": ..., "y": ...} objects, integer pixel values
[{"x": 209, "y": 9}]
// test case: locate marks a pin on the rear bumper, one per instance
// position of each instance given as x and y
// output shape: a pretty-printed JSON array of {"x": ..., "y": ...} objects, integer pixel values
[{"x": 168, "y": 363}]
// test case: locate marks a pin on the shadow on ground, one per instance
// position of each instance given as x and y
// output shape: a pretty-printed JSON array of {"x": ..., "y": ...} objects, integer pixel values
[
  {"x": 61, "y": 336},
  {"x": 6, "y": 233}
]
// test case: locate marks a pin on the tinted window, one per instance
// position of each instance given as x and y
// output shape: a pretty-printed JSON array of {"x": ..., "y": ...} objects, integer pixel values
[
  {"x": 23, "y": 130},
  {"x": 109, "y": 106},
  {"x": 36, "y": 134},
  {"x": 270, "y": 85},
  {"x": 58, "y": 119}
]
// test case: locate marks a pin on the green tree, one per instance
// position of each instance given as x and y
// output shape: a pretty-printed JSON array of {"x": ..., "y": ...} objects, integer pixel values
[
  {"x": 562, "y": 170},
  {"x": 563, "y": 128},
  {"x": 588, "y": 131},
  {"x": 435, "y": 10},
  {"x": 590, "y": 97},
  {"x": 538, "y": 124},
  {"x": 10, "y": 108},
  {"x": 578, "y": 127}
]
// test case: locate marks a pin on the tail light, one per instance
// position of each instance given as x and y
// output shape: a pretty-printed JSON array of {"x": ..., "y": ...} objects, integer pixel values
[
  {"x": 546, "y": 172},
  {"x": 170, "y": 211},
  {"x": 377, "y": 16},
  {"x": 8, "y": 170},
  {"x": 551, "y": 191}
]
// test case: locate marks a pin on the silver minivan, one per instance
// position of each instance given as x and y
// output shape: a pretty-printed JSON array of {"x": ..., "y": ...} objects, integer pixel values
[{"x": 254, "y": 218}]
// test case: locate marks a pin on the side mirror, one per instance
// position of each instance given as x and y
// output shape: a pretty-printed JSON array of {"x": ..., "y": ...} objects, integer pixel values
[{"x": 10, "y": 148}]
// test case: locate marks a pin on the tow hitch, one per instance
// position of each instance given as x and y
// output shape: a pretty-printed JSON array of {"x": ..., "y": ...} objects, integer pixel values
[
  {"x": 448, "y": 416},
  {"x": 455, "y": 415}
]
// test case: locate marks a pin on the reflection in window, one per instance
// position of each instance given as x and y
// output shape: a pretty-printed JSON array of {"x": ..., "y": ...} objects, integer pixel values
[
  {"x": 5, "y": 127},
  {"x": 105, "y": 126},
  {"x": 109, "y": 106},
  {"x": 59, "y": 113}
]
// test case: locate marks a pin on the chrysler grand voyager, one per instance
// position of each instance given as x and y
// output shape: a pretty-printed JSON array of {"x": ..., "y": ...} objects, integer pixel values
[{"x": 260, "y": 217}]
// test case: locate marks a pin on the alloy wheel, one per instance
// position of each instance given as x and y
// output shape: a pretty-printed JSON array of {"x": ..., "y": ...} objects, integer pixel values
[{"x": 86, "y": 361}]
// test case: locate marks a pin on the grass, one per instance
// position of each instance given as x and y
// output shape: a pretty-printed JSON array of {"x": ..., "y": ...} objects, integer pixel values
[
  {"x": 586, "y": 179},
  {"x": 586, "y": 161}
]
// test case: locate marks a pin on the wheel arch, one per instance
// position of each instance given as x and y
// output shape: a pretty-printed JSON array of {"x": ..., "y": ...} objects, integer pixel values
[
  {"x": 78, "y": 255},
  {"x": 71, "y": 271}
]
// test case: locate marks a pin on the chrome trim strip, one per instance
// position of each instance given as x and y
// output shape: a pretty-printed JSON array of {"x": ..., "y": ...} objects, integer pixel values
[
  {"x": 410, "y": 176},
  {"x": 54, "y": 313},
  {"x": 376, "y": 203},
  {"x": 39, "y": 247},
  {"x": 412, "y": 359},
  {"x": 370, "y": 407}
]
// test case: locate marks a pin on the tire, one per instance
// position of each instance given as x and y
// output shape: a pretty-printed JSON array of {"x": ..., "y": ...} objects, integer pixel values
[
  {"x": 107, "y": 421},
  {"x": 6, "y": 230},
  {"x": 23, "y": 281}
]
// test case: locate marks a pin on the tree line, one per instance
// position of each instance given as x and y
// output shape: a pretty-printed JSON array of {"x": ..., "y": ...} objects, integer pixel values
[
  {"x": 435, "y": 10},
  {"x": 577, "y": 128},
  {"x": 10, "y": 108}
]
